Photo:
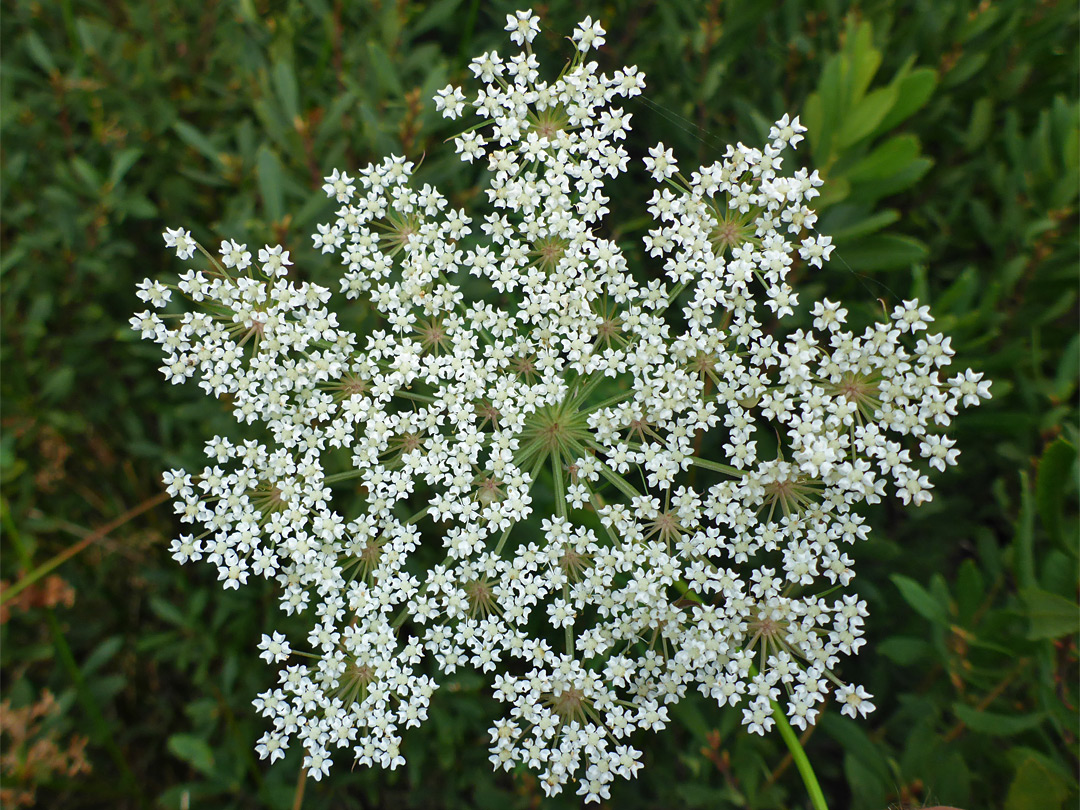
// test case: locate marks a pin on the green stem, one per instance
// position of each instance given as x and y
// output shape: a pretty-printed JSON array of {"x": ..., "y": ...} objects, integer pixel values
[
  {"x": 716, "y": 466},
  {"x": 798, "y": 755},
  {"x": 802, "y": 762},
  {"x": 342, "y": 476},
  {"x": 58, "y": 559}
]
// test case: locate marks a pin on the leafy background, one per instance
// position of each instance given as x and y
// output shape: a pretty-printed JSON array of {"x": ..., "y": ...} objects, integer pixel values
[{"x": 948, "y": 136}]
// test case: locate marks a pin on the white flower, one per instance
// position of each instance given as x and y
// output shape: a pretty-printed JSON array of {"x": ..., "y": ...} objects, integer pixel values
[
  {"x": 563, "y": 375},
  {"x": 523, "y": 26},
  {"x": 274, "y": 260},
  {"x": 450, "y": 101},
  {"x": 181, "y": 240},
  {"x": 274, "y": 648},
  {"x": 339, "y": 186},
  {"x": 661, "y": 163},
  {"x": 855, "y": 700},
  {"x": 588, "y": 35}
]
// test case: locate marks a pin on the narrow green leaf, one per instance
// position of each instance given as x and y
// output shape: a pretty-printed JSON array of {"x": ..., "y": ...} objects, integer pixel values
[
  {"x": 905, "y": 651},
  {"x": 436, "y": 14},
  {"x": 285, "y": 88},
  {"x": 39, "y": 52},
  {"x": 122, "y": 163},
  {"x": 996, "y": 724},
  {"x": 385, "y": 72},
  {"x": 166, "y": 610},
  {"x": 1024, "y": 542},
  {"x": 1051, "y": 480},
  {"x": 970, "y": 590},
  {"x": 920, "y": 599},
  {"x": 270, "y": 174},
  {"x": 197, "y": 141}
]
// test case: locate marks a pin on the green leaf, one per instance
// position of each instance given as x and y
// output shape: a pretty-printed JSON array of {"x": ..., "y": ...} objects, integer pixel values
[
  {"x": 1055, "y": 469},
  {"x": 1036, "y": 788},
  {"x": 101, "y": 655},
  {"x": 1024, "y": 542},
  {"x": 970, "y": 590},
  {"x": 270, "y": 174},
  {"x": 982, "y": 113},
  {"x": 122, "y": 163},
  {"x": 197, "y": 141},
  {"x": 436, "y": 14},
  {"x": 905, "y": 651},
  {"x": 862, "y": 60},
  {"x": 920, "y": 599},
  {"x": 996, "y": 724},
  {"x": 1051, "y": 616},
  {"x": 192, "y": 750},
  {"x": 883, "y": 252},
  {"x": 39, "y": 52},
  {"x": 912, "y": 92},
  {"x": 886, "y": 160},
  {"x": 385, "y": 72},
  {"x": 866, "y": 116},
  {"x": 167, "y": 611},
  {"x": 813, "y": 118},
  {"x": 286, "y": 90},
  {"x": 865, "y": 226}
]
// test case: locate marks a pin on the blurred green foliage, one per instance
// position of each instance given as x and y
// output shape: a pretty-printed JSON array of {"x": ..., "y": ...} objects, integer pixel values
[{"x": 948, "y": 135}]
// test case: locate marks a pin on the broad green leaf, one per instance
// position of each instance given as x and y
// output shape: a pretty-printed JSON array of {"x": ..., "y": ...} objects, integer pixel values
[
  {"x": 906, "y": 177},
  {"x": 996, "y": 724},
  {"x": 866, "y": 226},
  {"x": 813, "y": 118},
  {"x": 863, "y": 60},
  {"x": 882, "y": 252},
  {"x": 912, "y": 92},
  {"x": 866, "y": 116},
  {"x": 1051, "y": 616},
  {"x": 1035, "y": 787},
  {"x": 886, "y": 160},
  {"x": 192, "y": 750},
  {"x": 920, "y": 599}
]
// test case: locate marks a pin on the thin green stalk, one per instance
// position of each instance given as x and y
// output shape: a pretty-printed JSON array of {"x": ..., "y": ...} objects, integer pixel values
[
  {"x": 798, "y": 755},
  {"x": 63, "y": 652},
  {"x": 56, "y": 560}
]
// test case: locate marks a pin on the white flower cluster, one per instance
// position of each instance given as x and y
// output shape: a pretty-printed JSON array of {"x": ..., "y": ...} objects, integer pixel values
[{"x": 657, "y": 569}]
